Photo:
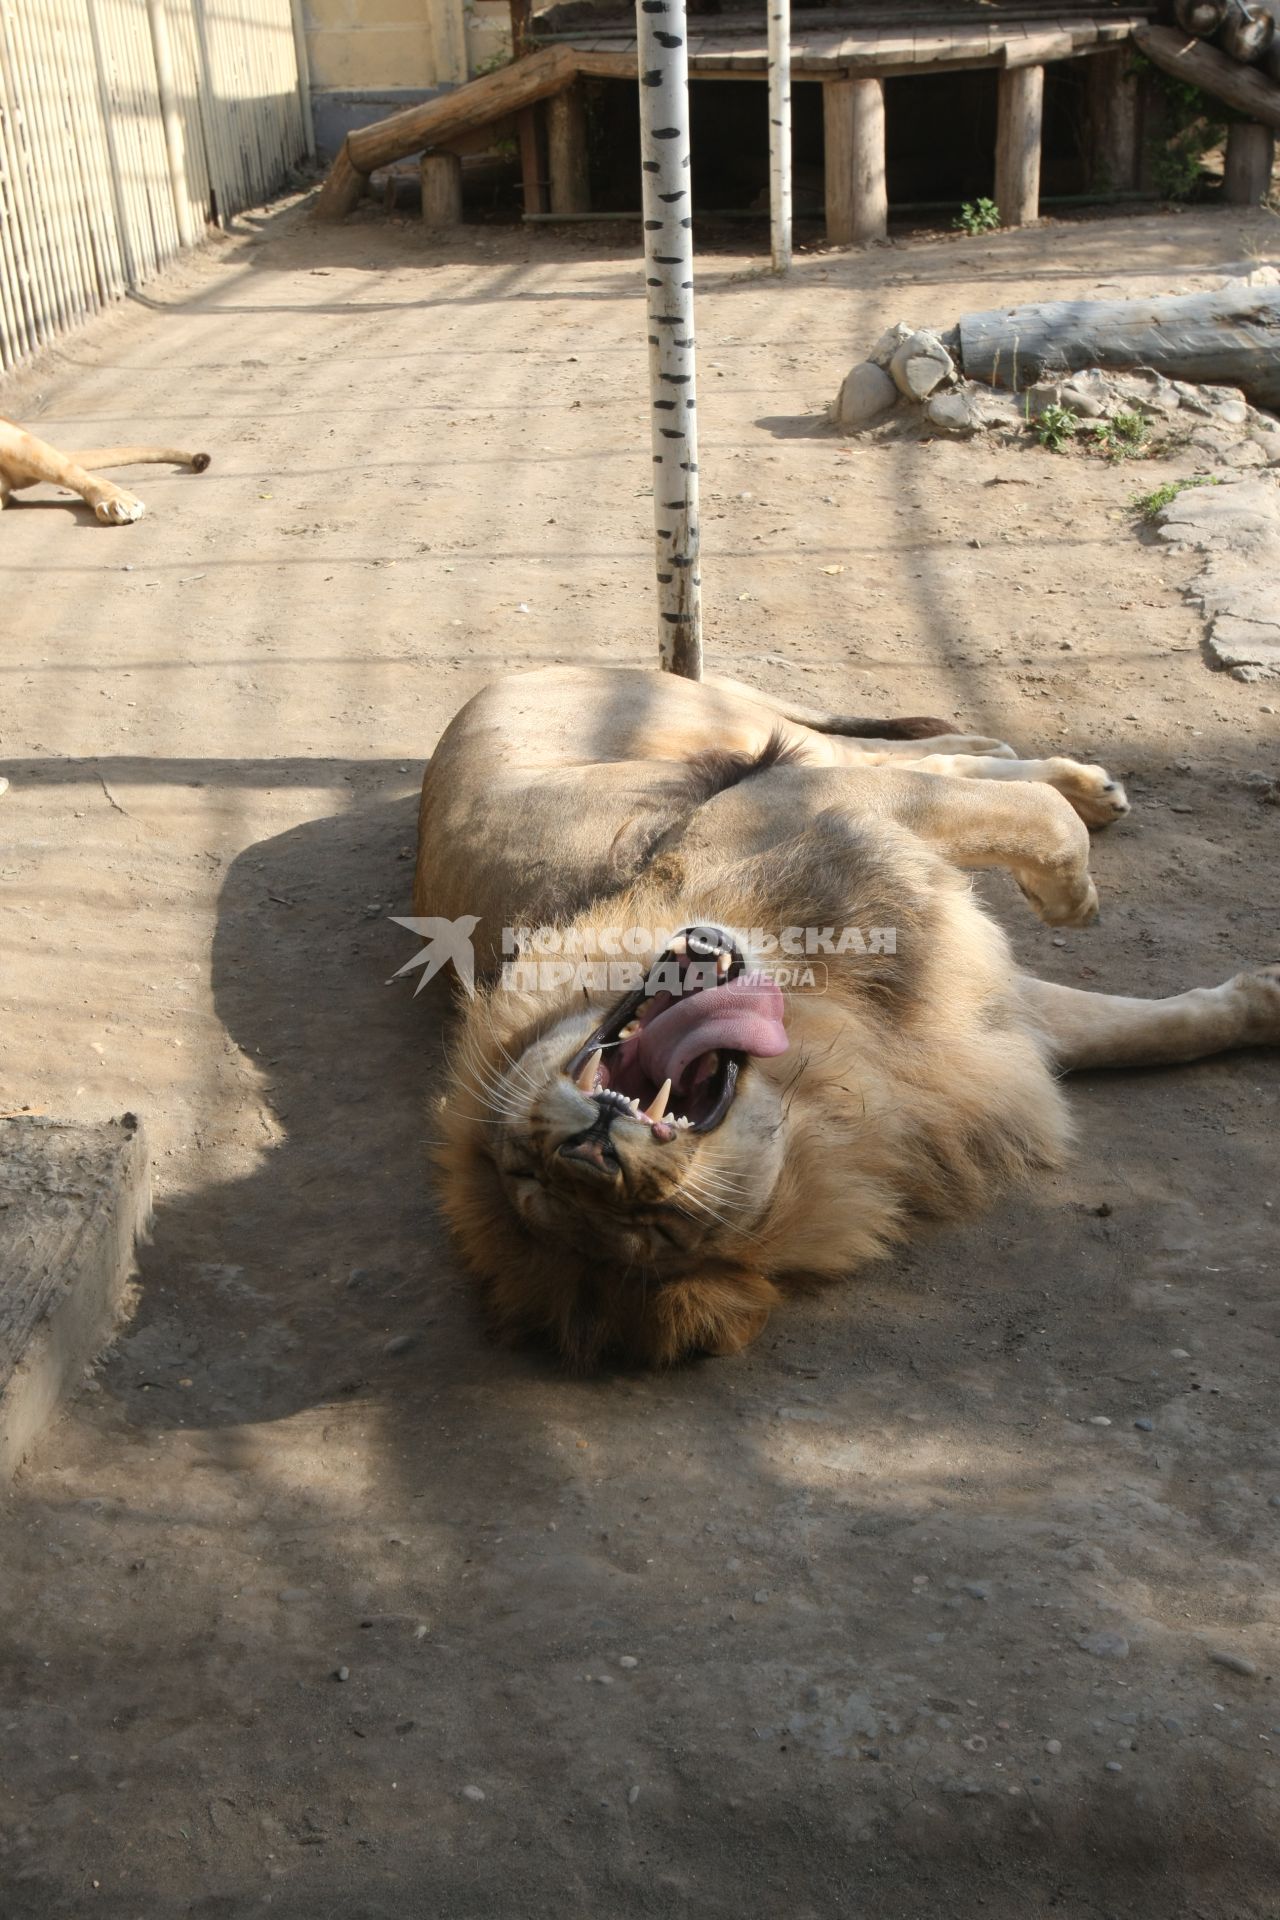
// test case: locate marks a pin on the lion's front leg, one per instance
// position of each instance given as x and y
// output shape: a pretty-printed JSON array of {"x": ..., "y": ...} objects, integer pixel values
[
  {"x": 1112, "y": 1030},
  {"x": 30, "y": 461}
]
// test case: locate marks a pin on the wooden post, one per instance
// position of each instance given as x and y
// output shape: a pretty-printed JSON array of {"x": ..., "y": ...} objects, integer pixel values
[
  {"x": 531, "y": 176},
  {"x": 1112, "y": 120},
  {"x": 441, "y": 190},
  {"x": 779, "y": 34},
  {"x": 1251, "y": 154},
  {"x": 567, "y": 152},
  {"x": 667, "y": 192},
  {"x": 853, "y": 136},
  {"x": 1019, "y": 118}
]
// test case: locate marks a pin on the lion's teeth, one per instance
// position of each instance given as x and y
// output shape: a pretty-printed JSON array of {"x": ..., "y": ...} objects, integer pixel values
[
  {"x": 586, "y": 1079},
  {"x": 679, "y": 944},
  {"x": 629, "y": 1031},
  {"x": 658, "y": 1105},
  {"x": 723, "y": 962}
]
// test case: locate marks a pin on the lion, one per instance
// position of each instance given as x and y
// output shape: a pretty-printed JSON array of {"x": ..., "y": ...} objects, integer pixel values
[
  {"x": 26, "y": 461},
  {"x": 642, "y": 1166}
]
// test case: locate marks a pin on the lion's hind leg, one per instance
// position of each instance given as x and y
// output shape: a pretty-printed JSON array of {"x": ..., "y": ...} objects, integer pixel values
[
  {"x": 1096, "y": 797},
  {"x": 1112, "y": 1030}
]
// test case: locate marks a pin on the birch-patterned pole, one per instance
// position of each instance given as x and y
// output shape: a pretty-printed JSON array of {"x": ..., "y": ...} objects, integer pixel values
[
  {"x": 779, "y": 18},
  {"x": 667, "y": 194}
]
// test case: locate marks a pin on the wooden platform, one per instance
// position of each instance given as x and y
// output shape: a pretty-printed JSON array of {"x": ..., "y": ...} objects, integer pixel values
[
  {"x": 73, "y": 1199},
  {"x": 850, "y": 60},
  {"x": 823, "y": 52}
]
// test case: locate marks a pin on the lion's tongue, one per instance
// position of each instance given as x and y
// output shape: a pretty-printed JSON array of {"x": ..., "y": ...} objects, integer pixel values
[{"x": 744, "y": 1016}]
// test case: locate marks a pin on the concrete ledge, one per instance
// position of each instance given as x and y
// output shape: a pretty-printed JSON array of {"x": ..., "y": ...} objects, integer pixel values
[{"x": 73, "y": 1201}]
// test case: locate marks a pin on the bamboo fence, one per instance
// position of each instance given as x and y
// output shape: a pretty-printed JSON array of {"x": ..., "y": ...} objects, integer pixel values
[{"x": 126, "y": 128}]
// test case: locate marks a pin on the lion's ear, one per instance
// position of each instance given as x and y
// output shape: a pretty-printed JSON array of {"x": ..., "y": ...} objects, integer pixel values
[{"x": 720, "y": 1310}]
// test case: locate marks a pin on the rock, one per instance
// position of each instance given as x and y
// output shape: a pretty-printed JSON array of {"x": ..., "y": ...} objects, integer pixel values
[
  {"x": 628, "y": 1660},
  {"x": 1113, "y": 1766},
  {"x": 1104, "y": 1645},
  {"x": 1147, "y": 391},
  {"x": 633, "y": 1794},
  {"x": 1144, "y": 1425},
  {"x": 473, "y": 1793},
  {"x": 399, "y": 1343},
  {"x": 920, "y": 364},
  {"x": 1053, "y": 1746},
  {"x": 867, "y": 395},
  {"x": 342, "y": 1673},
  {"x": 1088, "y": 393},
  {"x": 889, "y": 342},
  {"x": 958, "y": 412},
  {"x": 1233, "y": 1662}
]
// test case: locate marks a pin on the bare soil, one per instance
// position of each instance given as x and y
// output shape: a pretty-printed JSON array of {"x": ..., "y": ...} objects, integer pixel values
[{"x": 915, "y": 1635}]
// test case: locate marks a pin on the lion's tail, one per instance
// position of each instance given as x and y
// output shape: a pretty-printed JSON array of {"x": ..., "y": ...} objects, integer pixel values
[
  {"x": 98, "y": 457},
  {"x": 913, "y": 727}
]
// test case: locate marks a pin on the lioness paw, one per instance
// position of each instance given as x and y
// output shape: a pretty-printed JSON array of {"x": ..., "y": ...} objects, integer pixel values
[
  {"x": 117, "y": 508},
  {"x": 1096, "y": 797},
  {"x": 1259, "y": 995}
]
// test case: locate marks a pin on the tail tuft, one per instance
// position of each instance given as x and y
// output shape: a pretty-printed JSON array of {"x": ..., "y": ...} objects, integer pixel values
[{"x": 199, "y": 461}]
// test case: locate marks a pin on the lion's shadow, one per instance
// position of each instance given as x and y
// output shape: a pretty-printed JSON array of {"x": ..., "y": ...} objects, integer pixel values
[{"x": 319, "y": 1271}]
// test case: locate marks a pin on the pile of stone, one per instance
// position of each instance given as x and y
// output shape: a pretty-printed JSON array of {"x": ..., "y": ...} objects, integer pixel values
[{"x": 911, "y": 383}]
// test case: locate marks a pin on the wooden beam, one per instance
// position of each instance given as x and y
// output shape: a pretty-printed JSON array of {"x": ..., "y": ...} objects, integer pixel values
[
  {"x": 567, "y": 152},
  {"x": 441, "y": 190},
  {"x": 1242, "y": 87},
  {"x": 1019, "y": 117},
  {"x": 853, "y": 134},
  {"x": 1251, "y": 156}
]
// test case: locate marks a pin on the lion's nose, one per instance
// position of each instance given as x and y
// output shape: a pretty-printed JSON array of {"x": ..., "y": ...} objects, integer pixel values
[{"x": 593, "y": 1149}]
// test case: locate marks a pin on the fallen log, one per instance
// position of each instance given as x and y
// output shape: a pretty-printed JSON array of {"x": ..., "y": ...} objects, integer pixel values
[
  {"x": 1203, "y": 66},
  {"x": 1228, "y": 338},
  {"x": 436, "y": 122}
]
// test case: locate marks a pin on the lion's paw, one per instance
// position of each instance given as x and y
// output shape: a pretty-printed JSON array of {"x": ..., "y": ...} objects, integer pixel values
[
  {"x": 1096, "y": 797},
  {"x": 116, "y": 508},
  {"x": 1062, "y": 901}
]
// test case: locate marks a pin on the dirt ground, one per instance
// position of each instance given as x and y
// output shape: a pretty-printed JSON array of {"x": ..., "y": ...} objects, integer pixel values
[{"x": 312, "y": 1602}]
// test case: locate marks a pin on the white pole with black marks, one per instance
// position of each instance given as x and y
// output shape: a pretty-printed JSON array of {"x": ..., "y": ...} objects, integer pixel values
[
  {"x": 667, "y": 198},
  {"x": 779, "y": 18}
]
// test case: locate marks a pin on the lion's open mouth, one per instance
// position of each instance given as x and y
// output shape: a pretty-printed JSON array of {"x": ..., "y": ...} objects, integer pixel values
[{"x": 670, "y": 1055}]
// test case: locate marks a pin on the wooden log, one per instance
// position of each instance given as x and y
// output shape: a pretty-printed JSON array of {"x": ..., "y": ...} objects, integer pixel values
[
  {"x": 1203, "y": 66},
  {"x": 1114, "y": 143},
  {"x": 343, "y": 185},
  {"x": 1230, "y": 337},
  {"x": 1019, "y": 120},
  {"x": 531, "y": 175},
  {"x": 1247, "y": 31},
  {"x": 1200, "y": 17},
  {"x": 441, "y": 190},
  {"x": 567, "y": 152},
  {"x": 491, "y": 97},
  {"x": 1251, "y": 155},
  {"x": 853, "y": 136}
]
